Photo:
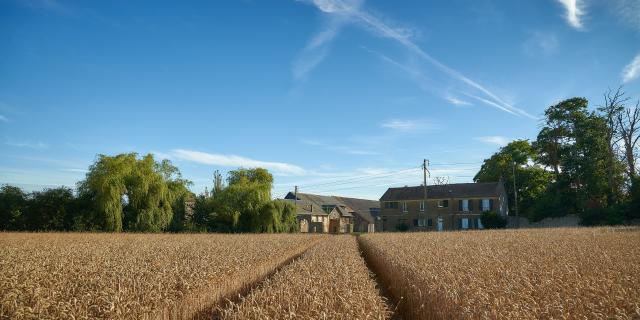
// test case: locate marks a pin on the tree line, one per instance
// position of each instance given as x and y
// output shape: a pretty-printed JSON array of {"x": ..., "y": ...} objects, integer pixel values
[
  {"x": 139, "y": 194},
  {"x": 583, "y": 162}
]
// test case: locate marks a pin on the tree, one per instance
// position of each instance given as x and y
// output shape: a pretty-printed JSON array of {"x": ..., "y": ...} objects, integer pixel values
[
  {"x": 245, "y": 205},
  {"x": 13, "y": 204},
  {"x": 628, "y": 124},
  {"x": 51, "y": 210},
  {"x": 574, "y": 143},
  {"x": 532, "y": 180},
  {"x": 611, "y": 111},
  {"x": 134, "y": 194},
  {"x": 218, "y": 183}
]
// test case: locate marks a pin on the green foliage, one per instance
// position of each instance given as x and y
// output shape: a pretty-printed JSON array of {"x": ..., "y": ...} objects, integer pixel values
[
  {"x": 492, "y": 220},
  {"x": 50, "y": 210},
  {"x": 402, "y": 227},
  {"x": 134, "y": 194},
  {"x": 569, "y": 169},
  {"x": 244, "y": 205},
  {"x": 531, "y": 180},
  {"x": 633, "y": 209},
  {"x": 13, "y": 204},
  {"x": 613, "y": 215}
]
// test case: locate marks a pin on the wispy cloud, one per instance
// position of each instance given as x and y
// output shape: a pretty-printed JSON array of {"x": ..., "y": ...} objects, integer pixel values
[
  {"x": 457, "y": 102},
  {"x": 400, "y": 35},
  {"x": 3, "y": 118},
  {"x": 235, "y": 161},
  {"x": 26, "y": 144},
  {"x": 632, "y": 70},
  {"x": 408, "y": 125},
  {"x": 628, "y": 11},
  {"x": 497, "y": 140},
  {"x": 574, "y": 10},
  {"x": 318, "y": 47}
]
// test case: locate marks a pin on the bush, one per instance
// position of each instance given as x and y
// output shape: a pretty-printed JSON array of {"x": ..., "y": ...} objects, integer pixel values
[
  {"x": 402, "y": 227},
  {"x": 492, "y": 220},
  {"x": 613, "y": 215}
]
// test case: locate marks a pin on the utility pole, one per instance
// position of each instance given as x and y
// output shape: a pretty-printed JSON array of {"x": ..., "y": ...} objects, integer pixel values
[
  {"x": 295, "y": 197},
  {"x": 425, "y": 162},
  {"x": 515, "y": 196}
]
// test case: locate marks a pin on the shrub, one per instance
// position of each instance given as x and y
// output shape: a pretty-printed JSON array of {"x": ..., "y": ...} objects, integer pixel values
[{"x": 492, "y": 220}]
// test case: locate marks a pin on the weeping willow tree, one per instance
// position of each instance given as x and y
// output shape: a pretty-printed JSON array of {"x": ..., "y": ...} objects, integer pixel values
[{"x": 134, "y": 194}]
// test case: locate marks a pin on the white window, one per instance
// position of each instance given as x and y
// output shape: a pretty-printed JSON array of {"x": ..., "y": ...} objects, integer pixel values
[
  {"x": 486, "y": 205},
  {"x": 421, "y": 205},
  {"x": 465, "y": 205},
  {"x": 465, "y": 223},
  {"x": 404, "y": 207},
  {"x": 420, "y": 222},
  {"x": 480, "y": 226}
]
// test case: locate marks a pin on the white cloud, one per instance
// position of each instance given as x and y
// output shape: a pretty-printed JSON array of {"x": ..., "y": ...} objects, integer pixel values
[
  {"x": 574, "y": 12},
  {"x": 457, "y": 101},
  {"x": 3, "y": 118},
  {"x": 408, "y": 125},
  {"x": 497, "y": 140},
  {"x": 632, "y": 70},
  {"x": 235, "y": 161}
]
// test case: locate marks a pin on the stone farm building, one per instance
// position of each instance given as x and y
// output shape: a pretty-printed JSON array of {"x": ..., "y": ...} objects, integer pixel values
[
  {"x": 448, "y": 207},
  {"x": 333, "y": 214}
]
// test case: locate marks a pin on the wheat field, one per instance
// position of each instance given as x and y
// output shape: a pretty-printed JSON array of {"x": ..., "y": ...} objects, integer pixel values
[
  {"x": 133, "y": 276},
  {"x": 587, "y": 273},
  {"x": 581, "y": 273},
  {"x": 330, "y": 281}
]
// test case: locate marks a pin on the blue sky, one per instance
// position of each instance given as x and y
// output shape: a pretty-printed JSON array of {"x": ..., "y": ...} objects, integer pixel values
[{"x": 339, "y": 97}]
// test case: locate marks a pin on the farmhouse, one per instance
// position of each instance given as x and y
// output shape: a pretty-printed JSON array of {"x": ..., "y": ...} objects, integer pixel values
[
  {"x": 334, "y": 214},
  {"x": 448, "y": 207}
]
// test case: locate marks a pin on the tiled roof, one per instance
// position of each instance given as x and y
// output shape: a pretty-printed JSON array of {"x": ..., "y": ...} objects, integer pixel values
[
  {"x": 356, "y": 206},
  {"x": 456, "y": 190}
]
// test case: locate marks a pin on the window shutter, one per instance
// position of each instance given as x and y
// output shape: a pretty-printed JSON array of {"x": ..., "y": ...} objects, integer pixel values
[
  {"x": 459, "y": 205},
  {"x": 490, "y": 204},
  {"x": 470, "y": 205},
  {"x": 415, "y": 222},
  {"x": 480, "y": 205},
  {"x": 460, "y": 223}
]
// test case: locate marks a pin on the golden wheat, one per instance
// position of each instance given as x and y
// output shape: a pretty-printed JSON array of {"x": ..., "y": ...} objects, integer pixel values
[
  {"x": 523, "y": 274},
  {"x": 133, "y": 276},
  {"x": 329, "y": 281}
]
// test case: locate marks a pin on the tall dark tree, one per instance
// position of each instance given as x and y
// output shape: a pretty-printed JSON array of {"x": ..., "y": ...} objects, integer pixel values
[{"x": 13, "y": 206}]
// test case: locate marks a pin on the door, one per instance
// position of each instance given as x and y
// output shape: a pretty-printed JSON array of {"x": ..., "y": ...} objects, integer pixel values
[
  {"x": 440, "y": 224},
  {"x": 334, "y": 225}
]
